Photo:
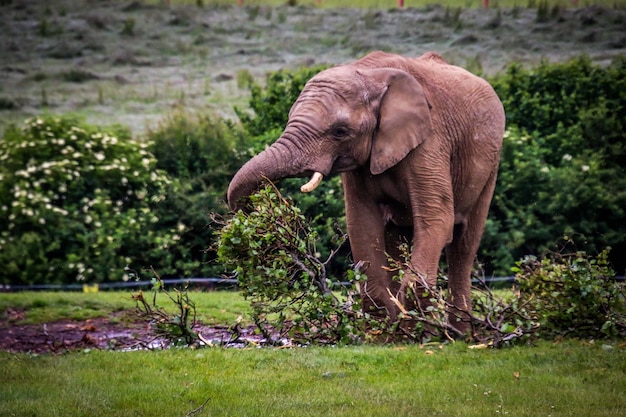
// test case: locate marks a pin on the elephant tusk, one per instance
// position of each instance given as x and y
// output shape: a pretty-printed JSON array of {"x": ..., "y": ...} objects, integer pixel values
[{"x": 315, "y": 181}]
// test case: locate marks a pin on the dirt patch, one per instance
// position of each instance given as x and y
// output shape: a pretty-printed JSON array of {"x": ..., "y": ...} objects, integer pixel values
[
  {"x": 131, "y": 63},
  {"x": 120, "y": 331}
]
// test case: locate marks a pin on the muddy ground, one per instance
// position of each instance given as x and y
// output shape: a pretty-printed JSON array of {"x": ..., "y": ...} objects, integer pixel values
[
  {"x": 129, "y": 63},
  {"x": 123, "y": 330}
]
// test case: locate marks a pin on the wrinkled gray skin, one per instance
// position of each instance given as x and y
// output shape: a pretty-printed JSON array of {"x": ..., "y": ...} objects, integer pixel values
[{"x": 417, "y": 142}]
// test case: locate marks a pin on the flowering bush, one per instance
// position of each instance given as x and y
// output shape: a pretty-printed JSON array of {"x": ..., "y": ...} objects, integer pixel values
[{"x": 76, "y": 203}]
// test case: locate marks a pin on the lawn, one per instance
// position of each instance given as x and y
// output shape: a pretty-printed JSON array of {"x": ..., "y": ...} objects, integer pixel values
[
  {"x": 214, "y": 307},
  {"x": 568, "y": 378},
  {"x": 573, "y": 378}
]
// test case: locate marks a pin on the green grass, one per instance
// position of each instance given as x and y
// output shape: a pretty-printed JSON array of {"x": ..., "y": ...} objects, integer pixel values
[
  {"x": 566, "y": 379},
  {"x": 215, "y": 307},
  {"x": 570, "y": 378}
]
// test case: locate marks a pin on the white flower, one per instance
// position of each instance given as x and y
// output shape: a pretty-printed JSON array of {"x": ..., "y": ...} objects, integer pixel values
[
  {"x": 60, "y": 211},
  {"x": 124, "y": 181},
  {"x": 545, "y": 169},
  {"x": 567, "y": 157},
  {"x": 584, "y": 168},
  {"x": 88, "y": 219},
  {"x": 99, "y": 156},
  {"x": 42, "y": 220}
]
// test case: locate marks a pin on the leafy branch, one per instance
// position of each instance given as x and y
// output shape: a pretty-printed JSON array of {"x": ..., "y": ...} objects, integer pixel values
[
  {"x": 176, "y": 327},
  {"x": 272, "y": 252}
]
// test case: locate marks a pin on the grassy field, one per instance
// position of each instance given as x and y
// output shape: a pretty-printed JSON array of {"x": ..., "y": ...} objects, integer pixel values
[
  {"x": 565, "y": 379},
  {"x": 384, "y": 4},
  {"x": 569, "y": 378},
  {"x": 132, "y": 63},
  {"x": 216, "y": 307}
]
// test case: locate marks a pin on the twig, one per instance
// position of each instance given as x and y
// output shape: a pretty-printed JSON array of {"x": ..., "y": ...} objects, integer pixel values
[{"x": 199, "y": 409}]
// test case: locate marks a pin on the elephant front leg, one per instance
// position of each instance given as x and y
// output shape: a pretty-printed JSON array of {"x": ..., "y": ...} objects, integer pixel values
[
  {"x": 366, "y": 231},
  {"x": 432, "y": 232}
]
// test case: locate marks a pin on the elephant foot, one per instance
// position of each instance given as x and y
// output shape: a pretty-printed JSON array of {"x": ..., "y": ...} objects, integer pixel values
[{"x": 461, "y": 321}]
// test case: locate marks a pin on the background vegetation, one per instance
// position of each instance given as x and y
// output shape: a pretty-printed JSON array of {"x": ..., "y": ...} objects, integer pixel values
[{"x": 83, "y": 202}]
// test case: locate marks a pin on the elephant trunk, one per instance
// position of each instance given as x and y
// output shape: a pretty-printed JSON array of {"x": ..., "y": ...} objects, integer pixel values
[{"x": 274, "y": 163}]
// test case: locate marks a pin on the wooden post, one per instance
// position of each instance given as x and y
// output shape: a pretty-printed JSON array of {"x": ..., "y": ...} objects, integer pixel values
[
  {"x": 486, "y": 4},
  {"x": 400, "y": 3}
]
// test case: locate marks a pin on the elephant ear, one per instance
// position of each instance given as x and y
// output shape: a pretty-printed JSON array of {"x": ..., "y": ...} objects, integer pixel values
[{"x": 404, "y": 117}]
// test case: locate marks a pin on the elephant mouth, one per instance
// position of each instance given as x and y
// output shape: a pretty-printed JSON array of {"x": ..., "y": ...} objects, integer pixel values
[
  {"x": 340, "y": 165},
  {"x": 343, "y": 164}
]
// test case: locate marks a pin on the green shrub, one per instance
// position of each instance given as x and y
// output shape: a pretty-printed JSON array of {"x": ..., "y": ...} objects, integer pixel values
[
  {"x": 77, "y": 203},
  {"x": 573, "y": 295},
  {"x": 561, "y": 169},
  {"x": 199, "y": 153}
]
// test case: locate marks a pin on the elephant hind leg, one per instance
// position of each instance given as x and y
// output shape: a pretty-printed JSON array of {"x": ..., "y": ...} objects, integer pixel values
[{"x": 460, "y": 255}]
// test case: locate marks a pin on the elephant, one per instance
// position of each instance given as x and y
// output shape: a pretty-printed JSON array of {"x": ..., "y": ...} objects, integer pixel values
[{"x": 417, "y": 143}]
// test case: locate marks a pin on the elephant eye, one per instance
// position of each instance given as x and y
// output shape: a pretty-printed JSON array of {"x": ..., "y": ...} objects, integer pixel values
[{"x": 340, "y": 132}]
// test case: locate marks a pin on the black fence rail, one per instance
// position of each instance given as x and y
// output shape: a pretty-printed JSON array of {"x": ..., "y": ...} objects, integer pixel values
[{"x": 193, "y": 283}]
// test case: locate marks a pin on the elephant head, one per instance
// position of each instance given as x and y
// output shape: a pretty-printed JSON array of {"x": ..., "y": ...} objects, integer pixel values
[{"x": 346, "y": 117}]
